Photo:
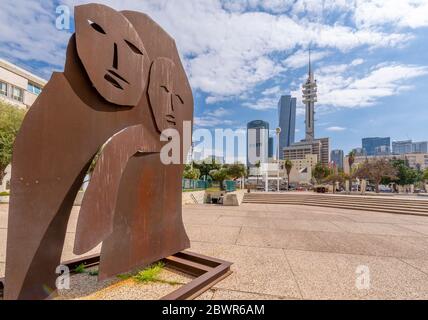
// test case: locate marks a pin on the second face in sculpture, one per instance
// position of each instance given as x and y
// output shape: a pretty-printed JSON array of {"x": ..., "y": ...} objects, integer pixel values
[
  {"x": 165, "y": 102},
  {"x": 112, "y": 54}
]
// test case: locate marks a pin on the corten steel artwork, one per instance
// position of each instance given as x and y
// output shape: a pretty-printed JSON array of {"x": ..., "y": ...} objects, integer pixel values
[{"x": 123, "y": 84}]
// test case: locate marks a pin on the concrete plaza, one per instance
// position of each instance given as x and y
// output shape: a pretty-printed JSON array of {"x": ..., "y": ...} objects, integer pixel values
[{"x": 298, "y": 252}]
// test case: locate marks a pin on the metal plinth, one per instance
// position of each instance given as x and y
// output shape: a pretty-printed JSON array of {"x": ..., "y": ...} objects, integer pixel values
[{"x": 206, "y": 271}]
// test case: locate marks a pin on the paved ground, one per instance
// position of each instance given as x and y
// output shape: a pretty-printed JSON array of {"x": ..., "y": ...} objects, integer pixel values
[{"x": 298, "y": 252}]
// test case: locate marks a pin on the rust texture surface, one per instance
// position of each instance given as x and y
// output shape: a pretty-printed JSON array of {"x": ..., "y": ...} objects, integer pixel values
[{"x": 123, "y": 84}]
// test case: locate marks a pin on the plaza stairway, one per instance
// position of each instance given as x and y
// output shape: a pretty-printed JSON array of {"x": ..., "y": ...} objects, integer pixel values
[{"x": 367, "y": 203}]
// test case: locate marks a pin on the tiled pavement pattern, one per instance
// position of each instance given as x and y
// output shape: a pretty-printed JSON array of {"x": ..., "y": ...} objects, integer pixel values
[{"x": 298, "y": 252}]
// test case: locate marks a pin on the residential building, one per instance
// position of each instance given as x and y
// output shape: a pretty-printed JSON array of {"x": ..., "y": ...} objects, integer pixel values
[
  {"x": 318, "y": 147},
  {"x": 337, "y": 157},
  {"x": 18, "y": 86},
  {"x": 370, "y": 144},
  {"x": 287, "y": 121},
  {"x": 257, "y": 142},
  {"x": 418, "y": 161}
]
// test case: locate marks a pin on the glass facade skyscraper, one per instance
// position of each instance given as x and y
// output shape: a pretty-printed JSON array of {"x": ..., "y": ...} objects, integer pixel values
[
  {"x": 257, "y": 142},
  {"x": 271, "y": 147},
  {"x": 287, "y": 122},
  {"x": 370, "y": 145},
  {"x": 337, "y": 158}
]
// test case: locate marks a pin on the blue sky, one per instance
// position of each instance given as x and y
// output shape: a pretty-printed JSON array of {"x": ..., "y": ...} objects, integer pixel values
[{"x": 370, "y": 58}]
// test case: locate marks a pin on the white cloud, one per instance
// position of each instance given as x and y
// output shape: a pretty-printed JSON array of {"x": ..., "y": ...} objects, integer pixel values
[
  {"x": 338, "y": 87},
  {"x": 272, "y": 91},
  {"x": 226, "y": 52},
  {"x": 301, "y": 57},
  {"x": 335, "y": 129},
  {"x": 209, "y": 122},
  {"x": 400, "y": 13},
  {"x": 219, "y": 112},
  {"x": 262, "y": 104},
  {"x": 357, "y": 62}
]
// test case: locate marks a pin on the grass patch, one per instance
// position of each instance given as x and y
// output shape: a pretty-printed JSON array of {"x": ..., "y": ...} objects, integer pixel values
[
  {"x": 193, "y": 190},
  {"x": 213, "y": 189},
  {"x": 94, "y": 273},
  {"x": 4, "y": 194},
  {"x": 150, "y": 274},
  {"x": 80, "y": 269}
]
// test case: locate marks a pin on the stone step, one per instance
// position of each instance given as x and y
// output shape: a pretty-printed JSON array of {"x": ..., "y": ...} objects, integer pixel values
[
  {"x": 415, "y": 203},
  {"x": 354, "y": 203},
  {"x": 341, "y": 201},
  {"x": 385, "y": 210}
]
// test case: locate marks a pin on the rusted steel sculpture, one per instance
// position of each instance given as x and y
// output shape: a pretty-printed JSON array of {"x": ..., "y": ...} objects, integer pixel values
[{"x": 123, "y": 84}]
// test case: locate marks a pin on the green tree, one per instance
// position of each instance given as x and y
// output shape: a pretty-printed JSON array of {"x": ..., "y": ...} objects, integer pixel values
[
  {"x": 425, "y": 175},
  {"x": 10, "y": 121},
  {"x": 191, "y": 173},
  {"x": 376, "y": 171},
  {"x": 320, "y": 172},
  {"x": 236, "y": 170},
  {"x": 206, "y": 166},
  {"x": 351, "y": 159},
  {"x": 288, "y": 165},
  {"x": 220, "y": 175},
  {"x": 334, "y": 178},
  {"x": 405, "y": 175}
]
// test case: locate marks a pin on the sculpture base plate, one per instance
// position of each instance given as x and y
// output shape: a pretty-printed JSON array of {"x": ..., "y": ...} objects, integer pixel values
[{"x": 207, "y": 271}]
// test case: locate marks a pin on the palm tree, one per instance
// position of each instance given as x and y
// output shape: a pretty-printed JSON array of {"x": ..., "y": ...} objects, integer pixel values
[
  {"x": 351, "y": 159},
  {"x": 288, "y": 165}
]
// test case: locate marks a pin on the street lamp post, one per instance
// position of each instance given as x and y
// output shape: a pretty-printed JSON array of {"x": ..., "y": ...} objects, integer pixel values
[{"x": 278, "y": 131}]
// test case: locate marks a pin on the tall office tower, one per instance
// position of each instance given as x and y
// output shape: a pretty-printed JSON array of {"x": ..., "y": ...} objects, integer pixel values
[
  {"x": 257, "y": 142},
  {"x": 401, "y": 147},
  {"x": 337, "y": 158},
  {"x": 370, "y": 144},
  {"x": 309, "y": 99},
  {"x": 287, "y": 122},
  {"x": 271, "y": 148}
]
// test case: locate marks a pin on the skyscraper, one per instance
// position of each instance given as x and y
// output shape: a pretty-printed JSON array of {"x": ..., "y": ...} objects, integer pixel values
[
  {"x": 287, "y": 122},
  {"x": 309, "y": 99},
  {"x": 257, "y": 142},
  {"x": 337, "y": 158},
  {"x": 271, "y": 148},
  {"x": 370, "y": 145}
]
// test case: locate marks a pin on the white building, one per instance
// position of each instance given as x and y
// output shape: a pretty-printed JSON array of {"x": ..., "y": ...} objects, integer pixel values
[{"x": 18, "y": 86}]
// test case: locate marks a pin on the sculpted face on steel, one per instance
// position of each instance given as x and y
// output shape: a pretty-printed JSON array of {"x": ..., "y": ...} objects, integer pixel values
[
  {"x": 166, "y": 104},
  {"x": 112, "y": 53},
  {"x": 101, "y": 100}
]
